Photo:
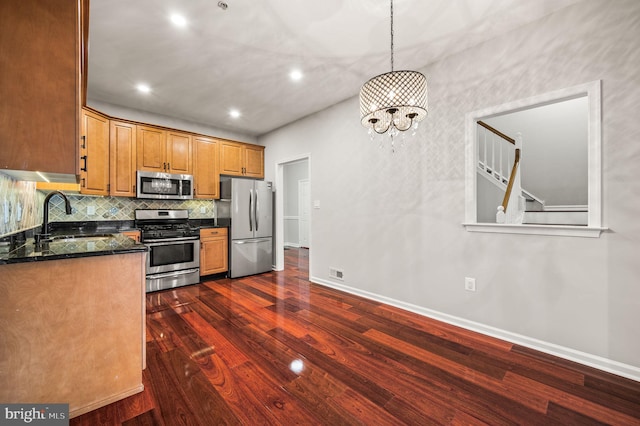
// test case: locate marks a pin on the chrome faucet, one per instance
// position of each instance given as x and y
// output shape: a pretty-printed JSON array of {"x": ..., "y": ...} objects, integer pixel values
[{"x": 44, "y": 232}]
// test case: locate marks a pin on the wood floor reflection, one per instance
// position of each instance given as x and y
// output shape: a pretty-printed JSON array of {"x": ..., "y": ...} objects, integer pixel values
[{"x": 274, "y": 349}]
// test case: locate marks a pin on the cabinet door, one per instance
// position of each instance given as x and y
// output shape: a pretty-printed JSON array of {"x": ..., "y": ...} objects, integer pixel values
[
  {"x": 254, "y": 161},
  {"x": 231, "y": 158},
  {"x": 39, "y": 86},
  {"x": 94, "y": 154},
  {"x": 150, "y": 149},
  {"x": 122, "y": 159},
  {"x": 206, "y": 163},
  {"x": 214, "y": 251},
  {"x": 179, "y": 153}
]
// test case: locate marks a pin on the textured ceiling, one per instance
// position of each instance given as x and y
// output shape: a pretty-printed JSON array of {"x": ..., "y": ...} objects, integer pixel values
[{"x": 241, "y": 57}]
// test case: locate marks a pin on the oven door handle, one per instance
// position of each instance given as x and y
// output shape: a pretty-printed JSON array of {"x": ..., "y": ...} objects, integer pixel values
[
  {"x": 170, "y": 240},
  {"x": 172, "y": 274}
]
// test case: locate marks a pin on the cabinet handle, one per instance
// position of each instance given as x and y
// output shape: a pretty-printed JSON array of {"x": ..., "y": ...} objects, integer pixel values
[
  {"x": 168, "y": 166},
  {"x": 164, "y": 166},
  {"x": 83, "y": 183},
  {"x": 134, "y": 189},
  {"x": 84, "y": 158},
  {"x": 84, "y": 142}
]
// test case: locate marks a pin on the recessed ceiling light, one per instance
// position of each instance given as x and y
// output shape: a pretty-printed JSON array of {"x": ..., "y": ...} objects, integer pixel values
[
  {"x": 178, "y": 20},
  {"x": 295, "y": 75},
  {"x": 143, "y": 88},
  {"x": 234, "y": 113}
]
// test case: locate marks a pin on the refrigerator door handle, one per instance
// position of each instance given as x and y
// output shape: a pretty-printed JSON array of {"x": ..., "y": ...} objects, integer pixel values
[
  {"x": 250, "y": 211},
  {"x": 257, "y": 210}
]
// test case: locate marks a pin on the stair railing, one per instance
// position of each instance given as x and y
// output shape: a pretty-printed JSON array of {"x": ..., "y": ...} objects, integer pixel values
[
  {"x": 495, "y": 151},
  {"x": 512, "y": 197},
  {"x": 491, "y": 159}
]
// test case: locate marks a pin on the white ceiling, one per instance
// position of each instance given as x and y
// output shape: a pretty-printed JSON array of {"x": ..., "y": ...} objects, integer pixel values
[{"x": 241, "y": 57}]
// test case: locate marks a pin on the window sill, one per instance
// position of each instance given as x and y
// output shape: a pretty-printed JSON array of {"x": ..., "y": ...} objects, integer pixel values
[{"x": 560, "y": 230}]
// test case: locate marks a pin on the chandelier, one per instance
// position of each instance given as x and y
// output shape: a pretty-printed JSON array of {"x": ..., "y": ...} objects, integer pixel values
[{"x": 395, "y": 101}]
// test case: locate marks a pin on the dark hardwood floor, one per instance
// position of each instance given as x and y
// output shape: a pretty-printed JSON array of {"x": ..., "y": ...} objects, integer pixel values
[{"x": 274, "y": 349}]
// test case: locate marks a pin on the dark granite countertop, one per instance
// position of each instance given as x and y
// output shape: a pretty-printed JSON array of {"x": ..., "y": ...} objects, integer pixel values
[
  {"x": 70, "y": 247},
  {"x": 222, "y": 222},
  {"x": 96, "y": 238}
]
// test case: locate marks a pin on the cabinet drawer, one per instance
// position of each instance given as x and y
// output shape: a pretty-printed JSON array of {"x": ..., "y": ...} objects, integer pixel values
[{"x": 212, "y": 232}]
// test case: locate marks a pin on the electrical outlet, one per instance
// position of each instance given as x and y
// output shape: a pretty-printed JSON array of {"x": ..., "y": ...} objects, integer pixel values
[
  {"x": 469, "y": 284},
  {"x": 91, "y": 210}
]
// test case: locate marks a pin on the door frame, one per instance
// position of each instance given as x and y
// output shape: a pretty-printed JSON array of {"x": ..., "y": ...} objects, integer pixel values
[
  {"x": 300, "y": 203},
  {"x": 279, "y": 210}
]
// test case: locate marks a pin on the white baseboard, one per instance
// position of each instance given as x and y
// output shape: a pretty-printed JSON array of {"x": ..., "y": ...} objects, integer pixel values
[
  {"x": 294, "y": 245},
  {"x": 601, "y": 363}
]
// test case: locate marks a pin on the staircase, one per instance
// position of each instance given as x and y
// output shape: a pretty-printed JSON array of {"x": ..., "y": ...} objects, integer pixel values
[{"x": 499, "y": 162}]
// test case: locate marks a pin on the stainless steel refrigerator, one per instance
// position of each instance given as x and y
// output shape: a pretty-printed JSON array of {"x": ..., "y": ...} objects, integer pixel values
[{"x": 251, "y": 211}]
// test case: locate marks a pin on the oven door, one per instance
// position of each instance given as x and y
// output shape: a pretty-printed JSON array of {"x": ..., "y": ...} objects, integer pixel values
[{"x": 173, "y": 255}]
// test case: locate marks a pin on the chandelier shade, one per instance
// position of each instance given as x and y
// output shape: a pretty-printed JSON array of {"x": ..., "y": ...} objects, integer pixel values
[{"x": 397, "y": 99}]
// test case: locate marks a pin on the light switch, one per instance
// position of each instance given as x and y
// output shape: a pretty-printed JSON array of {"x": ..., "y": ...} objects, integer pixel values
[
  {"x": 91, "y": 210},
  {"x": 316, "y": 204}
]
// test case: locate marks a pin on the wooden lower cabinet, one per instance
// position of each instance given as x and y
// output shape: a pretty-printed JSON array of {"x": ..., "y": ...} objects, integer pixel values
[
  {"x": 214, "y": 251},
  {"x": 73, "y": 330}
]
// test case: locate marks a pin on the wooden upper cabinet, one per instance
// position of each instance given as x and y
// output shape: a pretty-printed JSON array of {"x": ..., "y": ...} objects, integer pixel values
[
  {"x": 206, "y": 159},
  {"x": 163, "y": 151},
  {"x": 231, "y": 162},
  {"x": 239, "y": 159},
  {"x": 94, "y": 154},
  {"x": 39, "y": 85},
  {"x": 178, "y": 153},
  {"x": 254, "y": 161},
  {"x": 151, "y": 146},
  {"x": 122, "y": 159}
]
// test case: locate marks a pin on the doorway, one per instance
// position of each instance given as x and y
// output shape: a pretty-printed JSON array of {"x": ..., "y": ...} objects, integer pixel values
[{"x": 293, "y": 206}]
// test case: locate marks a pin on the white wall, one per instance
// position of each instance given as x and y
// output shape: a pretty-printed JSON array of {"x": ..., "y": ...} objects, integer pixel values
[{"x": 393, "y": 222}]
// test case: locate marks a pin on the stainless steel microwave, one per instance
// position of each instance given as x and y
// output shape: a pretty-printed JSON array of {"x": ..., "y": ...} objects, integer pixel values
[{"x": 165, "y": 186}]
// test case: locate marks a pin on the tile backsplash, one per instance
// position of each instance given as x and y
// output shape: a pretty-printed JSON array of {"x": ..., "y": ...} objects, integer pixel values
[
  {"x": 21, "y": 207},
  {"x": 86, "y": 208}
]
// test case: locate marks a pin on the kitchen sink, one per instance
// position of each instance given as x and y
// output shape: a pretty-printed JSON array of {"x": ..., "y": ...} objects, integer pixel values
[{"x": 79, "y": 238}]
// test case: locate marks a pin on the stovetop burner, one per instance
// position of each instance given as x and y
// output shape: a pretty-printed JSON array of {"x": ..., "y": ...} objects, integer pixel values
[{"x": 164, "y": 224}]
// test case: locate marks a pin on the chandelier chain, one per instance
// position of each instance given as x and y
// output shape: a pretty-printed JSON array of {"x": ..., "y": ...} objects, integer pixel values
[{"x": 391, "y": 35}]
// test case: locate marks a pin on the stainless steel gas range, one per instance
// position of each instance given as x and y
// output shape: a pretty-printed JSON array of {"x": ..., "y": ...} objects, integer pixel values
[{"x": 174, "y": 248}]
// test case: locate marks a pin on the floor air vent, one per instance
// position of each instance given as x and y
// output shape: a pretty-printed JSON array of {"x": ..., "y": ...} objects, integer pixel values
[{"x": 336, "y": 273}]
